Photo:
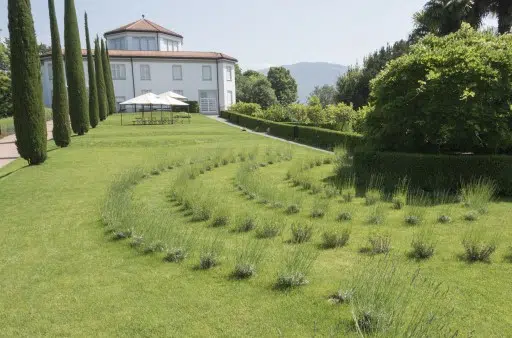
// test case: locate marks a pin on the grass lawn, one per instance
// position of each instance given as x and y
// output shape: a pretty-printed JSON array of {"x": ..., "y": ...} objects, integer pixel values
[
  {"x": 7, "y": 123},
  {"x": 63, "y": 275}
]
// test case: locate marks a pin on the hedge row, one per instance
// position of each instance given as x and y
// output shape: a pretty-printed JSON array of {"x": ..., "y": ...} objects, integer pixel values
[
  {"x": 317, "y": 137},
  {"x": 193, "y": 107},
  {"x": 432, "y": 172}
]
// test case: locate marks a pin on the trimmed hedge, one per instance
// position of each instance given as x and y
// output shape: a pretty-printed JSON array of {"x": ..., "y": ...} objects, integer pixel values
[
  {"x": 193, "y": 107},
  {"x": 432, "y": 172},
  {"x": 317, "y": 137}
]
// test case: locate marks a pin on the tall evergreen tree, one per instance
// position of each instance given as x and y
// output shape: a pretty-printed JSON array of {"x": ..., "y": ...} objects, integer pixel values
[
  {"x": 77, "y": 93},
  {"x": 94, "y": 109},
  {"x": 100, "y": 79},
  {"x": 109, "y": 83},
  {"x": 60, "y": 105},
  {"x": 27, "y": 90}
]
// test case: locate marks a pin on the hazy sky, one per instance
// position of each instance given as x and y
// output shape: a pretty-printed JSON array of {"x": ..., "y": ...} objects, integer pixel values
[{"x": 258, "y": 33}]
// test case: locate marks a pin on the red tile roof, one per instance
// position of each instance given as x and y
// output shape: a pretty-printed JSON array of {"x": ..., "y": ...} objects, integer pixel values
[
  {"x": 162, "y": 55},
  {"x": 143, "y": 25}
]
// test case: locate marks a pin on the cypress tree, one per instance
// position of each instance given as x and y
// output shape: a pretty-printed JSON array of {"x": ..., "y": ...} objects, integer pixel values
[
  {"x": 109, "y": 83},
  {"x": 94, "y": 114},
  {"x": 60, "y": 107},
  {"x": 77, "y": 93},
  {"x": 100, "y": 79},
  {"x": 27, "y": 90}
]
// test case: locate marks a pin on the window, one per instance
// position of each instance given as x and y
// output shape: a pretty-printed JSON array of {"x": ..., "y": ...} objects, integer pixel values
[
  {"x": 117, "y": 44},
  {"x": 207, "y": 73},
  {"x": 229, "y": 73},
  {"x": 178, "y": 91},
  {"x": 230, "y": 98},
  {"x": 145, "y": 73},
  {"x": 118, "y": 72},
  {"x": 177, "y": 72},
  {"x": 170, "y": 45},
  {"x": 145, "y": 91},
  {"x": 144, "y": 43},
  {"x": 50, "y": 71}
]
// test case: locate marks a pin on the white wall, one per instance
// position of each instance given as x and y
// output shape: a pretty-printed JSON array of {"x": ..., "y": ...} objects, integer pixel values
[
  {"x": 226, "y": 85},
  {"x": 48, "y": 84},
  {"x": 161, "y": 78}
]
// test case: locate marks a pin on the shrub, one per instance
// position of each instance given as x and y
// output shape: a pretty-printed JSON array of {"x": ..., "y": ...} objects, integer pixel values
[
  {"x": 247, "y": 223},
  {"x": 120, "y": 235},
  {"x": 248, "y": 259},
  {"x": 295, "y": 269},
  {"x": 400, "y": 194},
  {"x": 431, "y": 173},
  {"x": 478, "y": 246},
  {"x": 301, "y": 233},
  {"x": 201, "y": 213},
  {"x": 270, "y": 228},
  {"x": 320, "y": 208},
  {"x": 210, "y": 254},
  {"x": 477, "y": 194},
  {"x": 477, "y": 90},
  {"x": 176, "y": 255},
  {"x": 137, "y": 241},
  {"x": 391, "y": 300},
  {"x": 379, "y": 243},
  {"x": 331, "y": 191},
  {"x": 416, "y": 209},
  {"x": 251, "y": 109},
  {"x": 376, "y": 214},
  {"x": 372, "y": 196},
  {"x": 154, "y": 247},
  {"x": 444, "y": 219},
  {"x": 471, "y": 216},
  {"x": 293, "y": 209},
  {"x": 344, "y": 216},
  {"x": 331, "y": 240},
  {"x": 341, "y": 296},
  {"x": 221, "y": 218},
  {"x": 423, "y": 244}
]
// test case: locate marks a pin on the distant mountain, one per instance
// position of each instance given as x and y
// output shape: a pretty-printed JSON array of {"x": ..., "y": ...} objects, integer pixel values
[{"x": 311, "y": 74}]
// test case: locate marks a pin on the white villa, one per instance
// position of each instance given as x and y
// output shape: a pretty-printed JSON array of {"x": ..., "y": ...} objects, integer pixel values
[{"x": 145, "y": 57}]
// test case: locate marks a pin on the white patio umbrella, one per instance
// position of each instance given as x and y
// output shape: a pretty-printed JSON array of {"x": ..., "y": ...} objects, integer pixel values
[{"x": 173, "y": 95}]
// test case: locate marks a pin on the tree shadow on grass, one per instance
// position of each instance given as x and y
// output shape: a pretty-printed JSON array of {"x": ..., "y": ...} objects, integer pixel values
[{"x": 12, "y": 172}]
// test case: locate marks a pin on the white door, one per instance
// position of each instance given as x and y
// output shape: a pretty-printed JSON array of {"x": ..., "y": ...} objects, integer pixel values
[{"x": 208, "y": 101}]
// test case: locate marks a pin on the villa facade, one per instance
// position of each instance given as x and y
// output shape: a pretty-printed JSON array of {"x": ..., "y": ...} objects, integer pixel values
[{"x": 146, "y": 57}]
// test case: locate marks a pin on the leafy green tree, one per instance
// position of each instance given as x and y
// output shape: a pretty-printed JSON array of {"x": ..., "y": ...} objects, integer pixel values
[
  {"x": 5, "y": 95},
  {"x": 44, "y": 49},
  {"x": 109, "y": 82},
  {"x": 253, "y": 87},
  {"x": 502, "y": 9},
  {"x": 27, "y": 90},
  {"x": 284, "y": 85},
  {"x": 449, "y": 94},
  {"x": 77, "y": 93},
  {"x": 326, "y": 94},
  {"x": 94, "y": 114},
  {"x": 441, "y": 17},
  {"x": 5, "y": 62},
  {"x": 261, "y": 92},
  {"x": 60, "y": 104},
  {"x": 354, "y": 86},
  {"x": 100, "y": 81}
]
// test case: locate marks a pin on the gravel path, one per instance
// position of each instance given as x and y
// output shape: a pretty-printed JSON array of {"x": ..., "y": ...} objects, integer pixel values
[
  {"x": 220, "y": 119},
  {"x": 8, "y": 150}
]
